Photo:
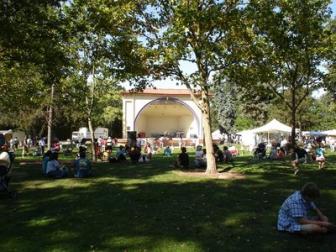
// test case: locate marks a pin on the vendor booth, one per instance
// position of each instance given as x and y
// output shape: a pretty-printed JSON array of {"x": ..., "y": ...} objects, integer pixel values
[{"x": 272, "y": 130}]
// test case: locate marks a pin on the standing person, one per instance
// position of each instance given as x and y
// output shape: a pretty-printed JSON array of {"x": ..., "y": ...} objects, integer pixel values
[
  {"x": 12, "y": 144},
  {"x": 299, "y": 156},
  {"x": 16, "y": 143},
  {"x": 42, "y": 144},
  {"x": 25, "y": 150},
  {"x": 320, "y": 156},
  {"x": 100, "y": 143},
  {"x": 294, "y": 213},
  {"x": 109, "y": 144},
  {"x": 29, "y": 142}
]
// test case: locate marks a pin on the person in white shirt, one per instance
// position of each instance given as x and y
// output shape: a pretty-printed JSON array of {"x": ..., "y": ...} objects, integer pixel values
[
  {"x": 42, "y": 145},
  {"x": 54, "y": 168}
]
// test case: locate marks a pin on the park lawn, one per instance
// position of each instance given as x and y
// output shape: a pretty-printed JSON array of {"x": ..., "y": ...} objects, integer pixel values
[{"x": 149, "y": 207}]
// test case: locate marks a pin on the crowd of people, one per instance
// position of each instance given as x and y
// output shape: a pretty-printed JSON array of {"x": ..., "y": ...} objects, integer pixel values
[
  {"x": 298, "y": 154},
  {"x": 52, "y": 168},
  {"x": 293, "y": 216}
]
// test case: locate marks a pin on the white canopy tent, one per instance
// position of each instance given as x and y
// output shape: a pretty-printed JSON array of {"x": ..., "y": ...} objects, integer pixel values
[
  {"x": 314, "y": 133},
  {"x": 274, "y": 127},
  {"x": 216, "y": 135},
  {"x": 329, "y": 132},
  {"x": 248, "y": 138}
]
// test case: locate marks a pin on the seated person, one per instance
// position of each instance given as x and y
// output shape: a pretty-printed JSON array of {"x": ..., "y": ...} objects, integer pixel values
[
  {"x": 233, "y": 150},
  {"x": 219, "y": 156},
  {"x": 148, "y": 151},
  {"x": 54, "y": 169},
  {"x": 82, "y": 148},
  {"x": 293, "y": 215},
  {"x": 45, "y": 160},
  {"x": 273, "y": 153},
  {"x": 320, "y": 156},
  {"x": 135, "y": 154},
  {"x": 227, "y": 155},
  {"x": 280, "y": 154},
  {"x": 167, "y": 151},
  {"x": 200, "y": 161},
  {"x": 183, "y": 159},
  {"x": 299, "y": 156},
  {"x": 82, "y": 166},
  {"x": 121, "y": 154},
  {"x": 260, "y": 152}
]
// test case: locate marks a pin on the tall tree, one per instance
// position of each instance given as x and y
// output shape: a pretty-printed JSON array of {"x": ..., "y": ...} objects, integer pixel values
[
  {"x": 224, "y": 101},
  {"x": 203, "y": 35},
  {"x": 32, "y": 33},
  {"x": 105, "y": 47},
  {"x": 330, "y": 79},
  {"x": 290, "y": 48}
]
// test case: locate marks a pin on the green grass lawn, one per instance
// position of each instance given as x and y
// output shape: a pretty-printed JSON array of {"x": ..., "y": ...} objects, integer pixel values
[{"x": 149, "y": 207}]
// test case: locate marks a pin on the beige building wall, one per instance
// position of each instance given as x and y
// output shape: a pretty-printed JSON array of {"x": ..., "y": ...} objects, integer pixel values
[{"x": 141, "y": 124}]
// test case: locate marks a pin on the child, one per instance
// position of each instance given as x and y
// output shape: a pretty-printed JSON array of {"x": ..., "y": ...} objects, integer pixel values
[
  {"x": 320, "y": 158},
  {"x": 167, "y": 151},
  {"x": 299, "y": 156},
  {"x": 293, "y": 215}
]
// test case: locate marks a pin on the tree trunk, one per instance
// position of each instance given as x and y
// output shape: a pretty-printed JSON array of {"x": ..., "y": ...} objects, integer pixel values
[
  {"x": 293, "y": 120},
  {"x": 50, "y": 116},
  {"x": 210, "y": 156},
  {"x": 92, "y": 139}
]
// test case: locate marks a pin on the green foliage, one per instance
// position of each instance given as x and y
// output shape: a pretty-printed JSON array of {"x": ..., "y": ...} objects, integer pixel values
[
  {"x": 204, "y": 35},
  {"x": 33, "y": 32},
  {"x": 224, "y": 102},
  {"x": 290, "y": 44},
  {"x": 23, "y": 96}
]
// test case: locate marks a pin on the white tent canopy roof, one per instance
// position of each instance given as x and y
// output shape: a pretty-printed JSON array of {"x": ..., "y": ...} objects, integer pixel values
[
  {"x": 313, "y": 133},
  {"x": 330, "y": 132},
  {"x": 216, "y": 135},
  {"x": 273, "y": 126}
]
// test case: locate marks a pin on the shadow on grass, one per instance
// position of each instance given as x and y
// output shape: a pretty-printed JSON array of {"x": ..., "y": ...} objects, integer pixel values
[{"x": 146, "y": 207}]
